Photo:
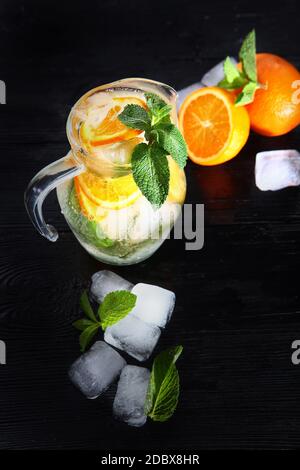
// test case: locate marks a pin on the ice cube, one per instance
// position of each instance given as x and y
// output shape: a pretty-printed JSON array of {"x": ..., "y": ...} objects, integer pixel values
[
  {"x": 211, "y": 78},
  {"x": 182, "y": 94},
  {"x": 104, "y": 282},
  {"x": 153, "y": 304},
  {"x": 216, "y": 74},
  {"x": 277, "y": 169},
  {"x": 94, "y": 371},
  {"x": 134, "y": 336},
  {"x": 130, "y": 398}
]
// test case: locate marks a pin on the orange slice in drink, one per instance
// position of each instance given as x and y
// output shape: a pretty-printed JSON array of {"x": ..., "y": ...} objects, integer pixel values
[
  {"x": 214, "y": 129},
  {"x": 111, "y": 129},
  {"x": 177, "y": 188},
  {"x": 106, "y": 193},
  {"x": 89, "y": 209}
]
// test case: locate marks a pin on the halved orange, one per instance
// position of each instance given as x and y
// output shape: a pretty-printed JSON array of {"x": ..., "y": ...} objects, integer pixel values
[
  {"x": 111, "y": 129},
  {"x": 214, "y": 129}
]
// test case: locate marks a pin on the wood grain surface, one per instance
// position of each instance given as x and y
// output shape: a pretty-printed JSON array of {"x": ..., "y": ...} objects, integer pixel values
[{"x": 238, "y": 299}]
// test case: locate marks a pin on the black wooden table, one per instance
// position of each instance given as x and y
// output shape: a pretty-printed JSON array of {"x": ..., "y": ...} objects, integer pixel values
[{"x": 238, "y": 303}]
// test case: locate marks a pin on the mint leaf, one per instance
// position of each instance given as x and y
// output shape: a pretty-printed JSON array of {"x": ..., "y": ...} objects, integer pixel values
[
  {"x": 154, "y": 102},
  {"x": 149, "y": 161},
  {"x": 89, "y": 326},
  {"x": 115, "y": 306},
  {"x": 86, "y": 306},
  {"x": 247, "y": 56},
  {"x": 170, "y": 139},
  {"x": 161, "y": 116},
  {"x": 87, "y": 335},
  {"x": 151, "y": 173},
  {"x": 248, "y": 77},
  {"x": 82, "y": 324},
  {"x": 159, "y": 110},
  {"x": 247, "y": 94},
  {"x": 230, "y": 70},
  {"x": 164, "y": 111},
  {"x": 135, "y": 117},
  {"x": 233, "y": 78},
  {"x": 163, "y": 390}
]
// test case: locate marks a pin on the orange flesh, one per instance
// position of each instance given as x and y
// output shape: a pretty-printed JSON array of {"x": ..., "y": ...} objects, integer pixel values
[
  {"x": 111, "y": 129},
  {"x": 207, "y": 125},
  {"x": 89, "y": 209},
  {"x": 214, "y": 129}
]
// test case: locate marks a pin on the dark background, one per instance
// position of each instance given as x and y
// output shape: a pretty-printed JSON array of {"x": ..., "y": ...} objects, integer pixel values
[{"x": 238, "y": 304}]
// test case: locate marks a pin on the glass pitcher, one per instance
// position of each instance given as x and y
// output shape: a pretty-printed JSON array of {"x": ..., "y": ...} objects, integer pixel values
[{"x": 96, "y": 191}]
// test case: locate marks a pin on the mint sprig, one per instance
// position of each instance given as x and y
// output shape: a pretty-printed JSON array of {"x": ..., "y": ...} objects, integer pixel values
[
  {"x": 170, "y": 139},
  {"x": 115, "y": 306},
  {"x": 247, "y": 94},
  {"x": 233, "y": 77},
  {"x": 247, "y": 56},
  {"x": 245, "y": 78},
  {"x": 149, "y": 161},
  {"x": 163, "y": 390},
  {"x": 86, "y": 306},
  {"x": 151, "y": 173}
]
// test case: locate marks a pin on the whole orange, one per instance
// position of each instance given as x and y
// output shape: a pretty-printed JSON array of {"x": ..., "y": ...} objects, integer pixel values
[{"x": 276, "y": 108}]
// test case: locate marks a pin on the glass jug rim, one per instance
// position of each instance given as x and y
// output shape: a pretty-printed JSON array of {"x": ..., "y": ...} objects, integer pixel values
[{"x": 80, "y": 154}]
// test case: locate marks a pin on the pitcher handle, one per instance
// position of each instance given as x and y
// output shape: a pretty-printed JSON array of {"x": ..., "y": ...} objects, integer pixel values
[{"x": 40, "y": 186}]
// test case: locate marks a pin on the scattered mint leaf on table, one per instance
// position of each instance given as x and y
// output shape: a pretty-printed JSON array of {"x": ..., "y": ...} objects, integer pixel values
[
  {"x": 87, "y": 335},
  {"x": 115, "y": 306},
  {"x": 151, "y": 173},
  {"x": 82, "y": 324},
  {"x": 149, "y": 161},
  {"x": 163, "y": 390},
  {"x": 247, "y": 77},
  {"x": 86, "y": 306}
]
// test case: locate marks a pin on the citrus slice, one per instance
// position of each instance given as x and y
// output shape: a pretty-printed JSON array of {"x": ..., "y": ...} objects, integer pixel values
[
  {"x": 107, "y": 193},
  {"x": 111, "y": 129},
  {"x": 88, "y": 208},
  {"x": 214, "y": 129},
  {"x": 177, "y": 187}
]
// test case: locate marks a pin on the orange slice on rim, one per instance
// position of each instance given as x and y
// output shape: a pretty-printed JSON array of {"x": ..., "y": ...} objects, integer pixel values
[
  {"x": 111, "y": 129},
  {"x": 214, "y": 129}
]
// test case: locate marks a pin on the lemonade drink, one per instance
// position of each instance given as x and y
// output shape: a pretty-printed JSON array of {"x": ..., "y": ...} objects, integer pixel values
[{"x": 103, "y": 205}]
